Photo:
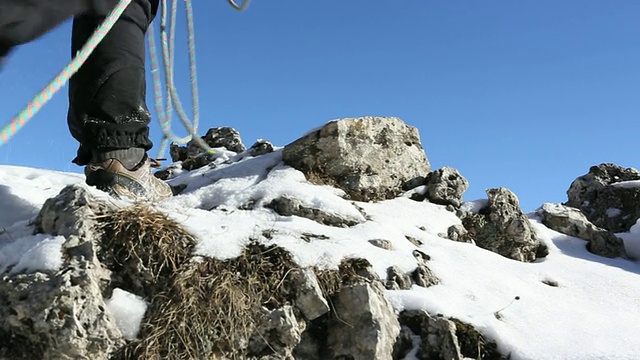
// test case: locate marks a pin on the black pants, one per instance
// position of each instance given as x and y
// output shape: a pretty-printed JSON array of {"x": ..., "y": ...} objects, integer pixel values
[{"x": 107, "y": 107}]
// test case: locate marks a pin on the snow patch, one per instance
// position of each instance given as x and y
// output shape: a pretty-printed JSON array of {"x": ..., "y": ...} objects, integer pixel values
[
  {"x": 128, "y": 310},
  {"x": 40, "y": 252},
  {"x": 631, "y": 184}
]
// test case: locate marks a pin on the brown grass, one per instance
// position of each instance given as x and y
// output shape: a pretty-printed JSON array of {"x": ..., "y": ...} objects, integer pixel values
[{"x": 200, "y": 308}]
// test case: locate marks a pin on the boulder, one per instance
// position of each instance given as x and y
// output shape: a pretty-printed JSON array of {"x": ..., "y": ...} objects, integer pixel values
[
  {"x": 364, "y": 325},
  {"x": 288, "y": 206},
  {"x": 192, "y": 156},
  {"x": 308, "y": 295},
  {"x": 423, "y": 276},
  {"x": 370, "y": 158},
  {"x": 278, "y": 335},
  {"x": 573, "y": 222},
  {"x": 226, "y": 137},
  {"x": 443, "y": 338},
  {"x": 608, "y": 195},
  {"x": 446, "y": 186},
  {"x": 503, "y": 228},
  {"x": 397, "y": 280},
  {"x": 458, "y": 233},
  {"x": 61, "y": 314},
  {"x": 438, "y": 334},
  {"x": 381, "y": 243},
  {"x": 261, "y": 147}
]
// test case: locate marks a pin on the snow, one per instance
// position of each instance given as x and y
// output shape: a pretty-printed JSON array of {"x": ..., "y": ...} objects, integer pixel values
[
  {"x": 128, "y": 311},
  {"x": 627, "y": 184},
  {"x": 592, "y": 313},
  {"x": 31, "y": 253}
]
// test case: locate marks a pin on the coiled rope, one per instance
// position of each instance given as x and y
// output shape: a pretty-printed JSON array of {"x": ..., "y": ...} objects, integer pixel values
[
  {"x": 164, "y": 110},
  {"x": 9, "y": 130}
]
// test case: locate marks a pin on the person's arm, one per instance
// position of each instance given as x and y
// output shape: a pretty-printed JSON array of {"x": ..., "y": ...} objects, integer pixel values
[{"x": 22, "y": 21}]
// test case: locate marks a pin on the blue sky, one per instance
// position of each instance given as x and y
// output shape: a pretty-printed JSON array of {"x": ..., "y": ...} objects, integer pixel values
[{"x": 523, "y": 95}]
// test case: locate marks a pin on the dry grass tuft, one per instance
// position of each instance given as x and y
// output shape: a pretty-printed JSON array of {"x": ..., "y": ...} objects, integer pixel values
[
  {"x": 350, "y": 272},
  {"x": 143, "y": 248},
  {"x": 200, "y": 308},
  {"x": 212, "y": 307}
]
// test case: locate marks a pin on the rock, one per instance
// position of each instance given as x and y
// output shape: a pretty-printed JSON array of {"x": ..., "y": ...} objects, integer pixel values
[
  {"x": 192, "y": 156},
  {"x": 606, "y": 196},
  {"x": 308, "y": 295},
  {"x": 397, "y": 280},
  {"x": 287, "y": 206},
  {"x": 381, "y": 243},
  {"x": 226, "y": 137},
  {"x": 473, "y": 345},
  {"x": 443, "y": 338},
  {"x": 260, "y": 147},
  {"x": 70, "y": 213},
  {"x": 278, "y": 336},
  {"x": 407, "y": 341},
  {"x": 421, "y": 256},
  {"x": 62, "y": 314},
  {"x": 312, "y": 344},
  {"x": 573, "y": 222},
  {"x": 364, "y": 325},
  {"x": 446, "y": 186},
  {"x": 178, "y": 153},
  {"x": 196, "y": 162},
  {"x": 370, "y": 158},
  {"x": 458, "y": 233},
  {"x": 423, "y": 276},
  {"x": 439, "y": 340},
  {"x": 503, "y": 228}
]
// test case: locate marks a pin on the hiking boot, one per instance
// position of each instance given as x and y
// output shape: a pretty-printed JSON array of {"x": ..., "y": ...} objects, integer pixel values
[{"x": 137, "y": 183}]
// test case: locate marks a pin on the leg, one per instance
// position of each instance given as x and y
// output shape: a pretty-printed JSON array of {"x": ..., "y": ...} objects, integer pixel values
[{"x": 107, "y": 110}]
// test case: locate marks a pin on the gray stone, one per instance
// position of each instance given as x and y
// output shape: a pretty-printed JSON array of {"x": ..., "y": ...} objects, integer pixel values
[
  {"x": 446, "y": 338},
  {"x": 287, "y": 206},
  {"x": 503, "y": 228},
  {"x": 397, "y": 280},
  {"x": 370, "y": 158},
  {"x": 308, "y": 295},
  {"x": 226, "y": 137},
  {"x": 381, "y": 243},
  {"x": 70, "y": 213},
  {"x": 364, "y": 325},
  {"x": 458, "y": 233},
  {"x": 278, "y": 335},
  {"x": 192, "y": 156},
  {"x": 423, "y": 276},
  {"x": 604, "y": 200},
  {"x": 439, "y": 340},
  {"x": 573, "y": 222},
  {"x": 420, "y": 256},
  {"x": 62, "y": 313},
  {"x": 261, "y": 147},
  {"x": 196, "y": 162},
  {"x": 178, "y": 153},
  {"x": 446, "y": 186},
  {"x": 310, "y": 348}
]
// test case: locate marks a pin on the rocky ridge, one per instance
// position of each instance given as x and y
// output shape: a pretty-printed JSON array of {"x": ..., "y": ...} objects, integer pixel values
[{"x": 294, "y": 312}]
